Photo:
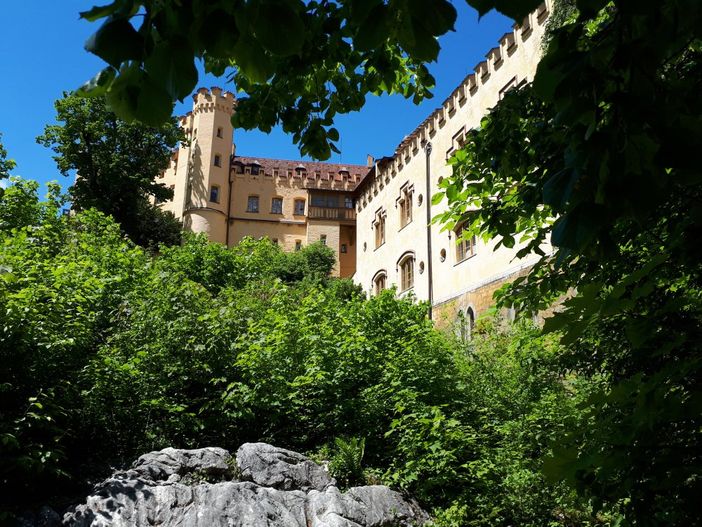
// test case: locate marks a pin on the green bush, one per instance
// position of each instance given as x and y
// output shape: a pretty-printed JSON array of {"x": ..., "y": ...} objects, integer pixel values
[{"x": 109, "y": 351}]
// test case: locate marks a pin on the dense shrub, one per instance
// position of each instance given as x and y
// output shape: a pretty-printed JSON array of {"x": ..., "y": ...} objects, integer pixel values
[{"x": 108, "y": 352}]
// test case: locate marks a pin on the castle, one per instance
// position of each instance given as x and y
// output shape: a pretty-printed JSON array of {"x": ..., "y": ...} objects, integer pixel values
[{"x": 376, "y": 217}]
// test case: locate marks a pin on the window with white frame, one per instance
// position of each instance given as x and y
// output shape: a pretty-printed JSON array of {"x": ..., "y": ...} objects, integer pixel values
[
  {"x": 252, "y": 204},
  {"x": 299, "y": 207},
  {"x": 407, "y": 272},
  {"x": 380, "y": 282},
  {"x": 277, "y": 206},
  {"x": 465, "y": 245},
  {"x": 405, "y": 204},
  {"x": 379, "y": 228}
]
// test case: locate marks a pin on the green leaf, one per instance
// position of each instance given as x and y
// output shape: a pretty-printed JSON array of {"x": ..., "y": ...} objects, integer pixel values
[
  {"x": 172, "y": 64},
  {"x": 98, "y": 85},
  {"x": 123, "y": 8},
  {"x": 97, "y": 12},
  {"x": 279, "y": 28},
  {"x": 252, "y": 60},
  {"x": 218, "y": 34},
  {"x": 436, "y": 198},
  {"x": 134, "y": 95},
  {"x": 436, "y": 16},
  {"x": 116, "y": 42},
  {"x": 515, "y": 9},
  {"x": 374, "y": 30},
  {"x": 417, "y": 41}
]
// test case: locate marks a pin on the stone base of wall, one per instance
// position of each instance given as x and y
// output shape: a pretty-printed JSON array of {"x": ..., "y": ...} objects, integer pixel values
[{"x": 480, "y": 300}]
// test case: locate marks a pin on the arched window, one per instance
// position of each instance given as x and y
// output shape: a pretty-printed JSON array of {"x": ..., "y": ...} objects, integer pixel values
[
  {"x": 406, "y": 268},
  {"x": 380, "y": 281},
  {"x": 465, "y": 322}
]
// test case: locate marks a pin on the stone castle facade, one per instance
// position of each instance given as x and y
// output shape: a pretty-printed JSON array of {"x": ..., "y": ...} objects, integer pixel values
[{"x": 376, "y": 217}]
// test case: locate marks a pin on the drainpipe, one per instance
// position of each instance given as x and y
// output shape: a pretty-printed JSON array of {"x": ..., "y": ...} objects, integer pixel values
[
  {"x": 427, "y": 200},
  {"x": 229, "y": 203}
]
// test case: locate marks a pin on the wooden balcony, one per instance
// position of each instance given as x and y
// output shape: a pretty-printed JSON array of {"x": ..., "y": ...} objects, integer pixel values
[{"x": 331, "y": 213}]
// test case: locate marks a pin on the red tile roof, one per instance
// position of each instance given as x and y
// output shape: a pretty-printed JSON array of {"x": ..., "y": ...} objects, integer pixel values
[{"x": 306, "y": 168}]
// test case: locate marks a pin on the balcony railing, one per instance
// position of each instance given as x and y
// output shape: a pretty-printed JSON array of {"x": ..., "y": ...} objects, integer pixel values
[{"x": 332, "y": 213}]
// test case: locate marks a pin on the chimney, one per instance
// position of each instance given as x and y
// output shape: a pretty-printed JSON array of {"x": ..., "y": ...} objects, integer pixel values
[{"x": 370, "y": 161}]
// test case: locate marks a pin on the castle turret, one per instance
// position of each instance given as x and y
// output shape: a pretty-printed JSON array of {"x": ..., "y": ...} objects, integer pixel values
[{"x": 202, "y": 174}]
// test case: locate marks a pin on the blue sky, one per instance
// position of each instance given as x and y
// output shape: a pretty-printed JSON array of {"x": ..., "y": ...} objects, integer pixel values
[{"x": 42, "y": 55}]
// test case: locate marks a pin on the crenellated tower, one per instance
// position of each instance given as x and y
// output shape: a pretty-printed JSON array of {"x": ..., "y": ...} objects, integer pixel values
[{"x": 201, "y": 169}]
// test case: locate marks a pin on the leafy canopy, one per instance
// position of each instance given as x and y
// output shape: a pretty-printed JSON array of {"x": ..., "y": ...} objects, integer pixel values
[
  {"x": 109, "y": 352},
  {"x": 299, "y": 64},
  {"x": 5, "y": 164},
  {"x": 598, "y": 158},
  {"x": 116, "y": 164}
]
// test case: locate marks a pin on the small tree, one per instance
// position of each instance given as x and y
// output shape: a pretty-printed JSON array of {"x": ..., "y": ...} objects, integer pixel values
[
  {"x": 5, "y": 164},
  {"x": 116, "y": 163}
]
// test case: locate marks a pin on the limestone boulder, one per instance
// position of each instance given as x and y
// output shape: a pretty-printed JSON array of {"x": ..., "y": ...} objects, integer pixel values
[{"x": 262, "y": 486}]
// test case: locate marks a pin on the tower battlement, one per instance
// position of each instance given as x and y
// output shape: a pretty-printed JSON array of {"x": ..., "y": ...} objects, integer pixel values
[{"x": 207, "y": 100}]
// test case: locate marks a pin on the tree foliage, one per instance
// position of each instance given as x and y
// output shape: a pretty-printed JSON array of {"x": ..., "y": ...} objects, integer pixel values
[
  {"x": 333, "y": 55},
  {"x": 5, "y": 164},
  {"x": 597, "y": 158},
  {"x": 115, "y": 165},
  {"x": 109, "y": 352}
]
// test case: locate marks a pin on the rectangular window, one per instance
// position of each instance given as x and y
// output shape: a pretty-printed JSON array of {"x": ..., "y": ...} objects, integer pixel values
[
  {"x": 405, "y": 207},
  {"x": 277, "y": 206},
  {"x": 275, "y": 172},
  {"x": 344, "y": 248},
  {"x": 252, "y": 204},
  {"x": 254, "y": 170},
  {"x": 323, "y": 239},
  {"x": 465, "y": 248},
  {"x": 214, "y": 194},
  {"x": 298, "y": 245},
  {"x": 407, "y": 273},
  {"x": 348, "y": 202},
  {"x": 218, "y": 160},
  {"x": 379, "y": 226},
  {"x": 299, "y": 207},
  {"x": 219, "y": 133}
]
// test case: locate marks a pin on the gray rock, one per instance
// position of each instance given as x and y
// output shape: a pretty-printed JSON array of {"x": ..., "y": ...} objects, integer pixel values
[
  {"x": 282, "y": 469},
  {"x": 284, "y": 489},
  {"x": 169, "y": 462}
]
